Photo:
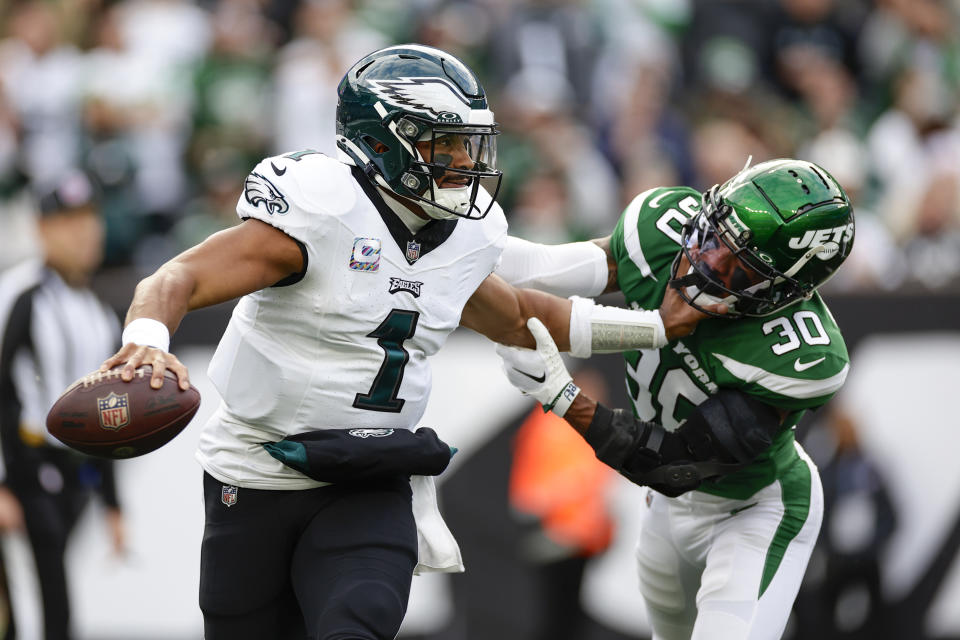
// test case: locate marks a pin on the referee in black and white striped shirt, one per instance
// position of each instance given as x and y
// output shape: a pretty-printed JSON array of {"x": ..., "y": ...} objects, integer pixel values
[{"x": 53, "y": 330}]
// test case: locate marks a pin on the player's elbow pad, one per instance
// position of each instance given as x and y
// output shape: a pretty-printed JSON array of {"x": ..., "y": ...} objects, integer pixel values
[
  {"x": 730, "y": 426},
  {"x": 597, "y": 328},
  {"x": 724, "y": 433}
]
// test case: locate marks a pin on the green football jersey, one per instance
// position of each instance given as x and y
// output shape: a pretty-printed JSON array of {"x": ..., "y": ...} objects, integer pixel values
[{"x": 794, "y": 359}]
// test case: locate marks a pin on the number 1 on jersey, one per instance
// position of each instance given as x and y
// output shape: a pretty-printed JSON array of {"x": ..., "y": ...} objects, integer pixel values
[{"x": 399, "y": 325}]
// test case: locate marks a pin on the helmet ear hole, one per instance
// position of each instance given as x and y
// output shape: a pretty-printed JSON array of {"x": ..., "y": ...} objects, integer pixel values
[{"x": 375, "y": 144}]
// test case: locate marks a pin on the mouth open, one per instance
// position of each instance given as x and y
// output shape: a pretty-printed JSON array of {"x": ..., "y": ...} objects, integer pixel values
[{"x": 454, "y": 182}]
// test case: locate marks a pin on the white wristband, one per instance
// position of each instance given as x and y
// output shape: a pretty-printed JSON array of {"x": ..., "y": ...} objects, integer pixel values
[
  {"x": 563, "y": 401},
  {"x": 581, "y": 338},
  {"x": 597, "y": 328},
  {"x": 149, "y": 332}
]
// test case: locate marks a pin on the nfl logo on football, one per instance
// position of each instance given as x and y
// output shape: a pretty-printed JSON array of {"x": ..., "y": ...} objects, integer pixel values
[
  {"x": 228, "y": 495},
  {"x": 114, "y": 411}
]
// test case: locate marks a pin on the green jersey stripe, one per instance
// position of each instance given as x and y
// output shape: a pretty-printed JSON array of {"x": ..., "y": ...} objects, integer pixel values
[
  {"x": 798, "y": 388},
  {"x": 631, "y": 235},
  {"x": 795, "y": 493}
]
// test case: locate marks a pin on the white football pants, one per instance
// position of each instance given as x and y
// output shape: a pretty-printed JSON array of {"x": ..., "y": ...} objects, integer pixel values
[{"x": 714, "y": 568}]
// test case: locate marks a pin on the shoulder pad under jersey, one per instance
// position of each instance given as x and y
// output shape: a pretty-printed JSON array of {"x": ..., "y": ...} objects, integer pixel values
[
  {"x": 494, "y": 223},
  {"x": 797, "y": 359},
  {"x": 647, "y": 236},
  {"x": 296, "y": 190}
]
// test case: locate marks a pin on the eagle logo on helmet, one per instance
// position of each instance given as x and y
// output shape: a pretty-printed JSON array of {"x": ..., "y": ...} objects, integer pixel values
[
  {"x": 435, "y": 96},
  {"x": 258, "y": 189}
]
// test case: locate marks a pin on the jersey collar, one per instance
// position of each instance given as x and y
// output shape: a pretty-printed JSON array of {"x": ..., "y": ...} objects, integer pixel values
[{"x": 413, "y": 245}]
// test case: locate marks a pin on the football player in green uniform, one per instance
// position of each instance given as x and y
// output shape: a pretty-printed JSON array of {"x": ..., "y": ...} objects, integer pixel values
[{"x": 736, "y": 504}]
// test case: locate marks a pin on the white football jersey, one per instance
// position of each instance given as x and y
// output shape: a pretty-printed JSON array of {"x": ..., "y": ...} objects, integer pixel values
[{"x": 347, "y": 344}]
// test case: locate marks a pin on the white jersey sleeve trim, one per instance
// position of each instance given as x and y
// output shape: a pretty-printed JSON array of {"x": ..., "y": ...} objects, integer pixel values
[
  {"x": 631, "y": 235},
  {"x": 798, "y": 388}
]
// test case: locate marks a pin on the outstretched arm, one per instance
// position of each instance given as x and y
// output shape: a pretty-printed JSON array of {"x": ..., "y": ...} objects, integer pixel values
[
  {"x": 500, "y": 312},
  {"x": 227, "y": 265},
  {"x": 723, "y": 433}
]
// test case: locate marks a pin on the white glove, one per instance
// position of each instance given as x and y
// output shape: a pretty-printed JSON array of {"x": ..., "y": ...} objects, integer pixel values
[{"x": 540, "y": 373}]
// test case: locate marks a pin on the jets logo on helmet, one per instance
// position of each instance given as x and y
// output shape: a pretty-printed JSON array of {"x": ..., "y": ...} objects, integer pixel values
[
  {"x": 258, "y": 189},
  {"x": 434, "y": 96}
]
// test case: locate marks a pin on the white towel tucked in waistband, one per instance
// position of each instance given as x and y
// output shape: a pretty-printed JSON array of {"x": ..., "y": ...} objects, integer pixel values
[{"x": 438, "y": 549}]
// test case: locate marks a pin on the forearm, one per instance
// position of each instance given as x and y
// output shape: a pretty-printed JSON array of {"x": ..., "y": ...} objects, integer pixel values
[
  {"x": 500, "y": 312},
  {"x": 225, "y": 266},
  {"x": 554, "y": 312},
  {"x": 164, "y": 296},
  {"x": 580, "y": 414}
]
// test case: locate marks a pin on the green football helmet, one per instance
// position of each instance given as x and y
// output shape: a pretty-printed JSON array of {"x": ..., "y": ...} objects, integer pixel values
[
  {"x": 397, "y": 97},
  {"x": 767, "y": 238}
]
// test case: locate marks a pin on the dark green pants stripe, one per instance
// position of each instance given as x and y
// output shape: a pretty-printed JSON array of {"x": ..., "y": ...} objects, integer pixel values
[{"x": 795, "y": 487}]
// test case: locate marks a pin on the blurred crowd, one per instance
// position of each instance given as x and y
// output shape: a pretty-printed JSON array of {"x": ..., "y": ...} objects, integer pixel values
[{"x": 169, "y": 103}]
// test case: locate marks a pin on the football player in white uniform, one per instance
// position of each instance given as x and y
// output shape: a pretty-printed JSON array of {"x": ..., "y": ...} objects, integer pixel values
[{"x": 352, "y": 271}]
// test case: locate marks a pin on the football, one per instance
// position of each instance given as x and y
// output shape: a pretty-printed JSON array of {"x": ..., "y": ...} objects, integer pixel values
[{"x": 101, "y": 415}]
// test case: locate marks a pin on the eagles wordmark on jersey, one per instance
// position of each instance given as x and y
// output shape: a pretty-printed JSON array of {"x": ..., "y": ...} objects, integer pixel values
[
  {"x": 346, "y": 345},
  {"x": 794, "y": 359}
]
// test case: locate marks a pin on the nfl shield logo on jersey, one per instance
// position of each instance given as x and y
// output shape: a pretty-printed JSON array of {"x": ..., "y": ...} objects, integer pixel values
[
  {"x": 366, "y": 254},
  {"x": 413, "y": 250},
  {"x": 228, "y": 495},
  {"x": 114, "y": 411}
]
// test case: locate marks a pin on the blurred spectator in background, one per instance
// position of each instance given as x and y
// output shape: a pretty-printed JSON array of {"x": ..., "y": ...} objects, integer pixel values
[
  {"x": 560, "y": 489},
  {"x": 328, "y": 38},
  {"x": 165, "y": 40},
  {"x": 897, "y": 34},
  {"x": 17, "y": 210},
  {"x": 232, "y": 111},
  {"x": 802, "y": 33},
  {"x": 462, "y": 27},
  {"x": 548, "y": 38},
  {"x": 842, "y": 594},
  {"x": 40, "y": 75},
  {"x": 721, "y": 148},
  {"x": 645, "y": 140},
  {"x": 915, "y": 147},
  {"x": 51, "y": 327},
  {"x": 137, "y": 94},
  {"x": 232, "y": 87},
  {"x": 608, "y": 97},
  {"x": 215, "y": 207},
  {"x": 875, "y": 261},
  {"x": 123, "y": 91},
  {"x": 542, "y": 135}
]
